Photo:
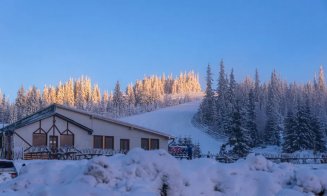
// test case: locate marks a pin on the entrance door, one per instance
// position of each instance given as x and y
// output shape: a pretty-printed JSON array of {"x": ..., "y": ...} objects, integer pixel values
[{"x": 53, "y": 142}]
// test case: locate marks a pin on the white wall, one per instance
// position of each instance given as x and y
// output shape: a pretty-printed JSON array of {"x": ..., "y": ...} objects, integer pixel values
[{"x": 81, "y": 138}]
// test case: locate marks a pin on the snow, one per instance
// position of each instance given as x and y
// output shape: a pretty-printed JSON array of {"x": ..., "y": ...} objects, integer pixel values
[
  {"x": 148, "y": 172},
  {"x": 177, "y": 121}
]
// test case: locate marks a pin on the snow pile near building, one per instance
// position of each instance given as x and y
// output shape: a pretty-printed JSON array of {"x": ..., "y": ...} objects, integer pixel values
[{"x": 156, "y": 172}]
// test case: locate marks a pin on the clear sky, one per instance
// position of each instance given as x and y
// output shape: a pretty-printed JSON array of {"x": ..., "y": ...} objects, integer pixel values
[{"x": 45, "y": 41}]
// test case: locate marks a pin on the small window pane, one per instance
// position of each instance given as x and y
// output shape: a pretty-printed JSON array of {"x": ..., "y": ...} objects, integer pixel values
[
  {"x": 109, "y": 142},
  {"x": 66, "y": 140},
  {"x": 39, "y": 139},
  {"x": 98, "y": 142},
  {"x": 154, "y": 144},
  {"x": 145, "y": 143},
  {"x": 124, "y": 145}
]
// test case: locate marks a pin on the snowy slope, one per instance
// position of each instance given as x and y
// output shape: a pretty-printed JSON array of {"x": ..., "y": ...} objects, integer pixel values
[{"x": 176, "y": 121}]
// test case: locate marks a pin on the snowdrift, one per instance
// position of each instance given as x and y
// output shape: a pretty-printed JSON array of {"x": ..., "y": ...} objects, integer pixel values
[{"x": 156, "y": 172}]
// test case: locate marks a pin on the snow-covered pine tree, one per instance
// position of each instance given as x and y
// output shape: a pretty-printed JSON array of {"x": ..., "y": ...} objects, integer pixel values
[
  {"x": 130, "y": 99},
  {"x": 251, "y": 124},
  {"x": 319, "y": 143},
  {"x": 60, "y": 94},
  {"x": 304, "y": 131},
  {"x": 33, "y": 100},
  {"x": 207, "y": 107},
  {"x": 290, "y": 144},
  {"x": 79, "y": 95},
  {"x": 104, "y": 102},
  {"x": 52, "y": 94},
  {"x": 69, "y": 98},
  {"x": 21, "y": 103},
  {"x": 45, "y": 98},
  {"x": 237, "y": 138},
  {"x": 256, "y": 86},
  {"x": 118, "y": 101},
  {"x": 272, "y": 128},
  {"x": 223, "y": 114},
  {"x": 96, "y": 99}
]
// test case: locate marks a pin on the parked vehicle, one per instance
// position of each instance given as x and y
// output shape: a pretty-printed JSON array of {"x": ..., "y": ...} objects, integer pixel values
[{"x": 8, "y": 167}]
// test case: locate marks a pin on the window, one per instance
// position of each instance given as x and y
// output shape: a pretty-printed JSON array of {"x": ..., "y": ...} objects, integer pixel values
[
  {"x": 145, "y": 144},
  {"x": 97, "y": 141},
  {"x": 66, "y": 140},
  {"x": 53, "y": 142},
  {"x": 109, "y": 142},
  {"x": 124, "y": 145},
  {"x": 154, "y": 144},
  {"x": 39, "y": 139}
]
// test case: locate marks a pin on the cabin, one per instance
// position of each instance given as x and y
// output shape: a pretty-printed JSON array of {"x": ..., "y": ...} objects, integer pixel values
[{"x": 59, "y": 131}]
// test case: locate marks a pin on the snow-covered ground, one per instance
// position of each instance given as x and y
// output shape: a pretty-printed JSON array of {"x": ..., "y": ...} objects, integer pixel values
[
  {"x": 152, "y": 172},
  {"x": 177, "y": 121}
]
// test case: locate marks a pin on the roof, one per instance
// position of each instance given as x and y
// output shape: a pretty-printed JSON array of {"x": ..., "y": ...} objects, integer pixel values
[
  {"x": 40, "y": 115},
  {"x": 52, "y": 111},
  {"x": 115, "y": 121}
]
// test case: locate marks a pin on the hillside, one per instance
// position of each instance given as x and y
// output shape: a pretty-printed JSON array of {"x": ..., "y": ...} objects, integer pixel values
[{"x": 177, "y": 121}]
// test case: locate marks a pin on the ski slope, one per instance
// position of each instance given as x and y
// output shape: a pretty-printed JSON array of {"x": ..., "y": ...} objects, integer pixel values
[{"x": 177, "y": 121}]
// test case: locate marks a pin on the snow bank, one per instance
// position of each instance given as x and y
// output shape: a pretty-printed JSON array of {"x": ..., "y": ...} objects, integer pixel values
[{"x": 156, "y": 172}]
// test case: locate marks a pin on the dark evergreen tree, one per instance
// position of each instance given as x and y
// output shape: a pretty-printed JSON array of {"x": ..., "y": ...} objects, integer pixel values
[
  {"x": 319, "y": 144},
  {"x": 256, "y": 86},
  {"x": 251, "y": 124},
  {"x": 20, "y": 103},
  {"x": 272, "y": 129},
  {"x": 303, "y": 129},
  {"x": 237, "y": 139},
  {"x": 207, "y": 107},
  {"x": 118, "y": 100},
  {"x": 223, "y": 115},
  {"x": 290, "y": 135}
]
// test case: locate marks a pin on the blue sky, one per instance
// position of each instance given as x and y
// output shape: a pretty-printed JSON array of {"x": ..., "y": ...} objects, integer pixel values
[{"x": 43, "y": 41}]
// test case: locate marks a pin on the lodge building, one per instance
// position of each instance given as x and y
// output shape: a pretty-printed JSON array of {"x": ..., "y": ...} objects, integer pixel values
[{"x": 59, "y": 126}]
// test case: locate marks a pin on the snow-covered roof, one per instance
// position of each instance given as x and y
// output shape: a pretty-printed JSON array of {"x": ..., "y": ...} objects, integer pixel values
[{"x": 115, "y": 121}]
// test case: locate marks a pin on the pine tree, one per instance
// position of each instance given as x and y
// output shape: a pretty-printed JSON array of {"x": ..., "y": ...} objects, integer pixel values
[
  {"x": 251, "y": 124},
  {"x": 33, "y": 100},
  {"x": 319, "y": 143},
  {"x": 272, "y": 128},
  {"x": 69, "y": 95},
  {"x": 118, "y": 100},
  {"x": 206, "y": 111},
  {"x": 237, "y": 139},
  {"x": 21, "y": 103},
  {"x": 290, "y": 144},
  {"x": 222, "y": 104},
  {"x": 105, "y": 102},
  {"x": 257, "y": 86},
  {"x": 45, "y": 100},
  {"x": 96, "y": 98},
  {"x": 321, "y": 81},
  {"x": 60, "y": 98},
  {"x": 130, "y": 99},
  {"x": 52, "y": 95},
  {"x": 303, "y": 130}
]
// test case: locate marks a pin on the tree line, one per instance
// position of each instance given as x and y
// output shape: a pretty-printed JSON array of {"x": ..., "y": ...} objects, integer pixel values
[
  {"x": 147, "y": 94},
  {"x": 252, "y": 113}
]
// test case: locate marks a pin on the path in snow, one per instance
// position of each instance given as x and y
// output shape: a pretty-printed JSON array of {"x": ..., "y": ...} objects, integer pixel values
[{"x": 177, "y": 121}]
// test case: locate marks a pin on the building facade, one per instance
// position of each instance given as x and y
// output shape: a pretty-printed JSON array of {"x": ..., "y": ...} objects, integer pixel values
[{"x": 59, "y": 126}]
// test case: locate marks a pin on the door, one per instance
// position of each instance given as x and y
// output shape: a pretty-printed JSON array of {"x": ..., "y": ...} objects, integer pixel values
[{"x": 53, "y": 142}]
